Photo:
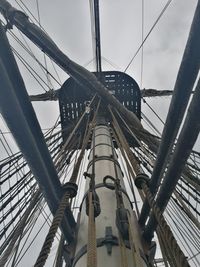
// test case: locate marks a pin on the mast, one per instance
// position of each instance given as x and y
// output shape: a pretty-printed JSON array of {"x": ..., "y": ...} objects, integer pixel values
[
  {"x": 99, "y": 112},
  {"x": 96, "y": 36},
  {"x": 108, "y": 236}
]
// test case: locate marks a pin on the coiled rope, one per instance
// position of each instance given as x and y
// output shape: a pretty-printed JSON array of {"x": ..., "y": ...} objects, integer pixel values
[{"x": 52, "y": 231}]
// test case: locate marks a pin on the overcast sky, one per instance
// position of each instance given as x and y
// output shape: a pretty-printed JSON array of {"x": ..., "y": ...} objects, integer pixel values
[{"x": 68, "y": 23}]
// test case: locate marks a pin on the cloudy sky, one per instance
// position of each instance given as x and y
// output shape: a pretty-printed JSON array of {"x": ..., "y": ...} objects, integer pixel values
[{"x": 68, "y": 23}]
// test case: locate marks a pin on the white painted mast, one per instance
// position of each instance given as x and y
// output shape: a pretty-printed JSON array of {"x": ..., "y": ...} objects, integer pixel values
[{"x": 111, "y": 250}]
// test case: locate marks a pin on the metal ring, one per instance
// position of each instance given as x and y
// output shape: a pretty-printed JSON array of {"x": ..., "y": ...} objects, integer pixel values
[
  {"x": 103, "y": 158},
  {"x": 97, "y": 186},
  {"x": 109, "y": 186}
]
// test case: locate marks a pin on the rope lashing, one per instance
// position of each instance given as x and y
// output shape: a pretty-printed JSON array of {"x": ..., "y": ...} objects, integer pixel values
[
  {"x": 95, "y": 203},
  {"x": 71, "y": 188},
  {"x": 95, "y": 198},
  {"x": 122, "y": 221}
]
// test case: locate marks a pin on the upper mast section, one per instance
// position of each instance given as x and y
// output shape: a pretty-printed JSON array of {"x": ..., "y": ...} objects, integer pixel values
[{"x": 95, "y": 27}]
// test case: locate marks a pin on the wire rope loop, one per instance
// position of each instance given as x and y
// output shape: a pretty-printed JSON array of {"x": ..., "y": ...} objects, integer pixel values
[{"x": 112, "y": 185}]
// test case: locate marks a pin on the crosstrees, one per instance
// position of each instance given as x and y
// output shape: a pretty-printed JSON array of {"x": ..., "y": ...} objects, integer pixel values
[{"x": 73, "y": 98}]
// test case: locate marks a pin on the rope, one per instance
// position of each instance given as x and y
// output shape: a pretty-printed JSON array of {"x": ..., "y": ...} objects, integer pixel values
[
  {"x": 52, "y": 231},
  {"x": 164, "y": 250},
  {"x": 124, "y": 262},
  {"x": 187, "y": 210},
  {"x": 77, "y": 126},
  {"x": 125, "y": 144},
  {"x": 58, "y": 259},
  {"x": 166, "y": 231},
  {"x": 142, "y": 52},
  {"x": 61, "y": 209},
  {"x": 122, "y": 143},
  {"x": 144, "y": 40},
  {"x": 136, "y": 168},
  {"x": 129, "y": 173},
  {"x": 91, "y": 246},
  {"x": 137, "y": 261},
  {"x": 23, "y": 202},
  {"x": 84, "y": 145},
  {"x": 18, "y": 230},
  {"x": 56, "y": 161}
]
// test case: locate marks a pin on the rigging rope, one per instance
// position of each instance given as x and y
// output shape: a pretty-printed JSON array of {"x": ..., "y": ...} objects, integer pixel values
[
  {"x": 91, "y": 245},
  {"x": 63, "y": 204},
  {"x": 166, "y": 231},
  {"x": 124, "y": 262},
  {"x": 52, "y": 231},
  {"x": 14, "y": 190},
  {"x": 142, "y": 53},
  {"x": 19, "y": 230},
  {"x": 33, "y": 239},
  {"x": 25, "y": 8},
  {"x": 150, "y": 31}
]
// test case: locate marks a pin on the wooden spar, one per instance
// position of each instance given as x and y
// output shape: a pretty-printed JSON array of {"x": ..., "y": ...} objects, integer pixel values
[{"x": 110, "y": 244}]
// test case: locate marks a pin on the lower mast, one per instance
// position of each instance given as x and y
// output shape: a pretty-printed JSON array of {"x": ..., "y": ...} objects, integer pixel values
[{"x": 108, "y": 233}]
